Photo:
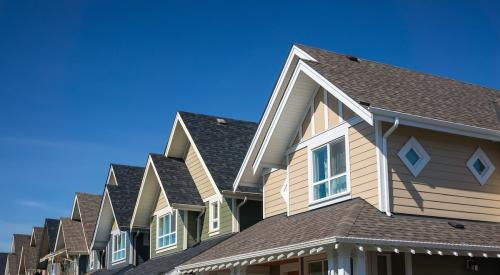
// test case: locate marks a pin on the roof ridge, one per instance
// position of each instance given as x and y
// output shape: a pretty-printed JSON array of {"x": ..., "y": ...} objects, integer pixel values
[{"x": 216, "y": 116}]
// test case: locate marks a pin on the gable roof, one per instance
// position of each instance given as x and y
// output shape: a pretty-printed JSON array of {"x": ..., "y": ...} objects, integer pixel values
[
  {"x": 3, "y": 262},
  {"x": 124, "y": 195},
  {"x": 36, "y": 236},
  {"x": 89, "y": 205},
  {"x": 20, "y": 241},
  {"x": 72, "y": 236},
  {"x": 30, "y": 254},
  {"x": 176, "y": 180},
  {"x": 354, "y": 221},
  {"x": 12, "y": 261},
  {"x": 402, "y": 90},
  {"x": 51, "y": 226},
  {"x": 221, "y": 146}
]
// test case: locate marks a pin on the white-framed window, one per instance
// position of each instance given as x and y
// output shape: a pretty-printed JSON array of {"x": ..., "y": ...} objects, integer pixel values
[
  {"x": 166, "y": 234},
  {"x": 329, "y": 170},
  {"x": 214, "y": 215},
  {"x": 413, "y": 155},
  {"x": 480, "y": 166},
  {"x": 119, "y": 246}
]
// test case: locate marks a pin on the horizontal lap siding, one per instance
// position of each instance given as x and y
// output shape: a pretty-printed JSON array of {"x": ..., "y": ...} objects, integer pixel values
[
  {"x": 225, "y": 219},
  {"x": 199, "y": 174},
  {"x": 363, "y": 162},
  {"x": 273, "y": 201},
  {"x": 445, "y": 187},
  {"x": 298, "y": 182},
  {"x": 179, "y": 237}
]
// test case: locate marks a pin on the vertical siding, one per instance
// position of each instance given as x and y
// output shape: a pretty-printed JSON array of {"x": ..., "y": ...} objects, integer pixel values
[
  {"x": 298, "y": 182},
  {"x": 445, "y": 187},
  {"x": 225, "y": 220},
  {"x": 363, "y": 162},
  {"x": 179, "y": 237},
  {"x": 199, "y": 174},
  {"x": 273, "y": 201}
]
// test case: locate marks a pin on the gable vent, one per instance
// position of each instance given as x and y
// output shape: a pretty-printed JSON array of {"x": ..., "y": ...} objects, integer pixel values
[
  {"x": 352, "y": 58},
  {"x": 221, "y": 121}
]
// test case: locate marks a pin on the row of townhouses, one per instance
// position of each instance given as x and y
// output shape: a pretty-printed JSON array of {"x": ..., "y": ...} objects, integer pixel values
[{"x": 355, "y": 167}]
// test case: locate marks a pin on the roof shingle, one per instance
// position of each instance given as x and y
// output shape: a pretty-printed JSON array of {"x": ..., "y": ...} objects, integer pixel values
[
  {"x": 74, "y": 240},
  {"x": 89, "y": 205}
]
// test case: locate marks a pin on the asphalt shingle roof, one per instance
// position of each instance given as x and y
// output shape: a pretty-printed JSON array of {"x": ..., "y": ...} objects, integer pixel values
[
  {"x": 74, "y": 240},
  {"x": 222, "y": 147},
  {"x": 176, "y": 180},
  {"x": 165, "y": 264},
  {"x": 114, "y": 271},
  {"x": 20, "y": 241},
  {"x": 52, "y": 225},
  {"x": 12, "y": 259},
  {"x": 355, "y": 219},
  {"x": 402, "y": 90},
  {"x": 31, "y": 253},
  {"x": 124, "y": 194},
  {"x": 3, "y": 262},
  {"x": 89, "y": 205}
]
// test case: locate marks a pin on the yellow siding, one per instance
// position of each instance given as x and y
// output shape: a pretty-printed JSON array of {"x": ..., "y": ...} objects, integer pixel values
[
  {"x": 199, "y": 174},
  {"x": 298, "y": 182},
  {"x": 307, "y": 126},
  {"x": 319, "y": 112},
  {"x": 161, "y": 202},
  {"x": 333, "y": 111},
  {"x": 445, "y": 187},
  {"x": 363, "y": 162},
  {"x": 273, "y": 201},
  {"x": 115, "y": 226}
]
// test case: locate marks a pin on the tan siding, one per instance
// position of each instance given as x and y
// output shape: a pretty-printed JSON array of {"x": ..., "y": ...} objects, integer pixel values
[
  {"x": 115, "y": 226},
  {"x": 161, "y": 202},
  {"x": 363, "y": 162},
  {"x": 346, "y": 112},
  {"x": 273, "y": 201},
  {"x": 199, "y": 174},
  {"x": 319, "y": 112},
  {"x": 445, "y": 187},
  {"x": 333, "y": 111},
  {"x": 299, "y": 183},
  {"x": 306, "y": 126}
]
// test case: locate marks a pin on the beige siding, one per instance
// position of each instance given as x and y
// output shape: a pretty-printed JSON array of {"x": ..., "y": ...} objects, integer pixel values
[
  {"x": 199, "y": 174},
  {"x": 307, "y": 126},
  {"x": 319, "y": 111},
  {"x": 161, "y": 202},
  {"x": 363, "y": 162},
  {"x": 273, "y": 201},
  {"x": 298, "y": 182},
  {"x": 445, "y": 187},
  {"x": 115, "y": 226},
  {"x": 333, "y": 111}
]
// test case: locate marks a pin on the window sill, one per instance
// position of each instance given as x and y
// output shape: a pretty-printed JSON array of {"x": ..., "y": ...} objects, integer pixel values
[
  {"x": 213, "y": 232},
  {"x": 330, "y": 200},
  {"x": 119, "y": 261},
  {"x": 166, "y": 248}
]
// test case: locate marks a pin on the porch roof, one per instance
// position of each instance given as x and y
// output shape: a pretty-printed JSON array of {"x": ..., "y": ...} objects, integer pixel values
[{"x": 354, "y": 222}]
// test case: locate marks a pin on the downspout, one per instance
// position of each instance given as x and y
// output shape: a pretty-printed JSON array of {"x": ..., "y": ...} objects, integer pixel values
[
  {"x": 385, "y": 168},
  {"x": 238, "y": 210},
  {"x": 134, "y": 248},
  {"x": 198, "y": 225}
]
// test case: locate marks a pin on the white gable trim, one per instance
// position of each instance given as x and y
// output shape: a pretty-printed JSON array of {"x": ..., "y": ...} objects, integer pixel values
[
  {"x": 294, "y": 52},
  {"x": 98, "y": 219},
  {"x": 302, "y": 67},
  {"x": 171, "y": 136},
  {"x": 111, "y": 173}
]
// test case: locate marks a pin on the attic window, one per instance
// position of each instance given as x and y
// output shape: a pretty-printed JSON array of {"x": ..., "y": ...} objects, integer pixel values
[
  {"x": 480, "y": 166},
  {"x": 414, "y": 156},
  {"x": 221, "y": 121}
]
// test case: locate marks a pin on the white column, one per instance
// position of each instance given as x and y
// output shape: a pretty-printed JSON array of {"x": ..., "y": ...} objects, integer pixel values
[
  {"x": 360, "y": 263},
  {"x": 344, "y": 261},
  {"x": 408, "y": 264},
  {"x": 332, "y": 262}
]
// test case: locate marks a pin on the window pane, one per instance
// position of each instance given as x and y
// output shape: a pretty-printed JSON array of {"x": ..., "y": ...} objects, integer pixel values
[
  {"x": 479, "y": 166},
  {"x": 172, "y": 222},
  {"x": 412, "y": 156},
  {"x": 215, "y": 210},
  {"x": 316, "y": 268},
  {"x": 160, "y": 226},
  {"x": 320, "y": 164},
  {"x": 166, "y": 228},
  {"x": 338, "y": 185},
  {"x": 337, "y": 155},
  {"x": 382, "y": 265},
  {"x": 320, "y": 191}
]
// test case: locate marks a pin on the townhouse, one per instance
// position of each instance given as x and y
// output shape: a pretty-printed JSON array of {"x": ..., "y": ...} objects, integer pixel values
[
  {"x": 368, "y": 168},
  {"x": 186, "y": 200},
  {"x": 29, "y": 258},
  {"x": 47, "y": 244},
  {"x": 115, "y": 248},
  {"x": 13, "y": 259}
]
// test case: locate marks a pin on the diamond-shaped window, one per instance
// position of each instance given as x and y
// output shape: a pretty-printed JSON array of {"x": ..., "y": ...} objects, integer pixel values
[
  {"x": 480, "y": 166},
  {"x": 414, "y": 156}
]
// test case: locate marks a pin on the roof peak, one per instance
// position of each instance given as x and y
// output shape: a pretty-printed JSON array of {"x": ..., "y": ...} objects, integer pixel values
[{"x": 215, "y": 116}]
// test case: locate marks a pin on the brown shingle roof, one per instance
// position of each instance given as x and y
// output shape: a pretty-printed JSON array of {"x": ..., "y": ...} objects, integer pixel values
[
  {"x": 89, "y": 205},
  {"x": 12, "y": 261},
  {"x": 31, "y": 253},
  {"x": 350, "y": 219},
  {"x": 74, "y": 240},
  {"x": 403, "y": 90}
]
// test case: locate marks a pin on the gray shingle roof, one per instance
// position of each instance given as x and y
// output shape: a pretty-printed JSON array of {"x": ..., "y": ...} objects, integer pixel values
[
  {"x": 31, "y": 253},
  {"x": 165, "y": 264},
  {"x": 124, "y": 194},
  {"x": 89, "y": 211},
  {"x": 176, "y": 180},
  {"x": 52, "y": 225},
  {"x": 222, "y": 147},
  {"x": 402, "y": 90},
  {"x": 3, "y": 262},
  {"x": 354, "y": 219},
  {"x": 74, "y": 240},
  {"x": 20, "y": 241},
  {"x": 12, "y": 260}
]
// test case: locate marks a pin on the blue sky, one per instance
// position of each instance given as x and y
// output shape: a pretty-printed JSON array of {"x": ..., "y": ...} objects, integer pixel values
[{"x": 86, "y": 83}]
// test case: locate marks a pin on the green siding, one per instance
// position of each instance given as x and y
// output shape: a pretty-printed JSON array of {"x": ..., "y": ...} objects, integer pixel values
[
  {"x": 179, "y": 237},
  {"x": 226, "y": 219}
]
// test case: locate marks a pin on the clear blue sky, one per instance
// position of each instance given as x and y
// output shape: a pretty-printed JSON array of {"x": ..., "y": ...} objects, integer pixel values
[{"x": 86, "y": 83}]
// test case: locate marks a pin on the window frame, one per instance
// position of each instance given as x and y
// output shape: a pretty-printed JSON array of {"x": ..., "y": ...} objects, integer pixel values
[
  {"x": 326, "y": 138},
  {"x": 172, "y": 214},
  {"x": 211, "y": 219},
  {"x": 115, "y": 235},
  {"x": 479, "y": 154},
  {"x": 424, "y": 158}
]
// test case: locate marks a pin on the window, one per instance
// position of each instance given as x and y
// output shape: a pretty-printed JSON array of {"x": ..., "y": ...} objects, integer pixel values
[
  {"x": 318, "y": 268},
  {"x": 118, "y": 249},
  {"x": 214, "y": 215},
  {"x": 414, "y": 156},
  {"x": 329, "y": 170},
  {"x": 166, "y": 234},
  {"x": 480, "y": 166}
]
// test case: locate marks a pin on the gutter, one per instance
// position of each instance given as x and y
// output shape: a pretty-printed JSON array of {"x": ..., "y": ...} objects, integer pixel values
[
  {"x": 198, "y": 225},
  {"x": 238, "y": 211},
  {"x": 385, "y": 168}
]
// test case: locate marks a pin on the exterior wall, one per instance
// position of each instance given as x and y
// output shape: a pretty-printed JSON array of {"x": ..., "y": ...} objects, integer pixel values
[
  {"x": 445, "y": 187},
  {"x": 226, "y": 220},
  {"x": 161, "y": 202},
  {"x": 363, "y": 162},
  {"x": 274, "y": 203},
  {"x": 298, "y": 181},
  {"x": 109, "y": 256},
  {"x": 250, "y": 213},
  {"x": 199, "y": 174},
  {"x": 179, "y": 237}
]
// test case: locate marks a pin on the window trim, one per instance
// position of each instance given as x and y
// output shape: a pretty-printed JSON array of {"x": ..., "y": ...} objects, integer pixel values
[
  {"x": 413, "y": 143},
  {"x": 318, "y": 142},
  {"x": 211, "y": 228},
  {"x": 122, "y": 234},
  {"x": 490, "y": 168},
  {"x": 159, "y": 215}
]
